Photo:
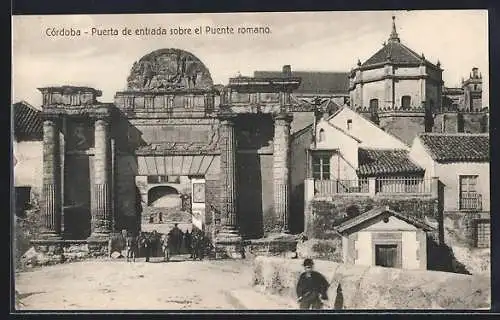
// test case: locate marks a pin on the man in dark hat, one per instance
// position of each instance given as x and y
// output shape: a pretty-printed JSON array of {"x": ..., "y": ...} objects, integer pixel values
[{"x": 311, "y": 288}]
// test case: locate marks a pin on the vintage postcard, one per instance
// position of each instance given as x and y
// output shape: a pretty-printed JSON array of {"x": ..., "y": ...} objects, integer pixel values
[{"x": 251, "y": 161}]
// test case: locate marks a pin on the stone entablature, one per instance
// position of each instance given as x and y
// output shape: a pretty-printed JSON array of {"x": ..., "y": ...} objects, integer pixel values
[
  {"x": 172, "y": 103},
  {"x": 69, "y": 95}
]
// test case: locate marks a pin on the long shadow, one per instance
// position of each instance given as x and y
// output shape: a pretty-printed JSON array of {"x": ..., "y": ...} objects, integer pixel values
[
  {"x": 441, "y": 258},
  {"x": 127, "y": 139}
]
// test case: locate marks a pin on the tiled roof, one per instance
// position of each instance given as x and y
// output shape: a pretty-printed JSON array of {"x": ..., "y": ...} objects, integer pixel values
[
  {"x": 28, "y": 124},
  {"x": 457, "y": 147},
  {"x": 398, "y": 53},
  {"x": 376, "y": 162},
  {"x": 315, "y": 82},
  {"x": 373, "y": 213}
]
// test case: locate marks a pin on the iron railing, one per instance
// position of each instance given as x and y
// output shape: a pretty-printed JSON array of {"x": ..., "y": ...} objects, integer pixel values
[
  {"x": 471, "y": 201},
  {"x": 328, "y": 187},
  {"x": 402, "y": 185},
  {"x": 387, "y": 185}
]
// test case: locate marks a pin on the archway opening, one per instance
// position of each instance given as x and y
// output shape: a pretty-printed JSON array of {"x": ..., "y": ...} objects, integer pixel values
[{"x": 165, "y": 206}]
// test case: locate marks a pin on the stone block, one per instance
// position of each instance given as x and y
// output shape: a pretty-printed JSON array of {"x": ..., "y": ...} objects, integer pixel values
[{"x": 378, "y": 288}]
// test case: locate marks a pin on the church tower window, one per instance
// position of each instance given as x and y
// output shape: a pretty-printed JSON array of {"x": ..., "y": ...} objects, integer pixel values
[
  {"x": 405, "y": 102},
  {"x": 374, "y": 111}
]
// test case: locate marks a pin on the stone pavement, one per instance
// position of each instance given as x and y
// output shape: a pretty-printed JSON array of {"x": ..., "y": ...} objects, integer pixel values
[{"x": 118, "y": 285}]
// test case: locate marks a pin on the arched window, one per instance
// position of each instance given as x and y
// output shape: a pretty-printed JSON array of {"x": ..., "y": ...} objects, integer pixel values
[
  {"x": 321, "y": 136},
  {"x": 373, "y": 105},
  {"x": 405, "y": 102},
  {"x": 374, "y": 111}
]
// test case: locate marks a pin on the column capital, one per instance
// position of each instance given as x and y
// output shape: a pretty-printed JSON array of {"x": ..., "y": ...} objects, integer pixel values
[
  {"x": 105, "y": 118},
  {"x": 286, "y": 116},
  {"x": 227, "y": 118},
  {"x": 51, "y": 117}
]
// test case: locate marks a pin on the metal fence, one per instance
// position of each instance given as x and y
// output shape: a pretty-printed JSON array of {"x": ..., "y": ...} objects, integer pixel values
[
  {"x": 389, "y": 185},
  {"x": 471, "y": 201},
  {"x": 328, "y": 187},
  {"x": 402, "y": 185}
]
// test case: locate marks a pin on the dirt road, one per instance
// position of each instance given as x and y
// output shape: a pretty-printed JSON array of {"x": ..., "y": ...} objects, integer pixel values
[{"x": 118, "y": 285}]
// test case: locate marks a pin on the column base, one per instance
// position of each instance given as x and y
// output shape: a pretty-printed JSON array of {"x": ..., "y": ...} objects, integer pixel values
[
  {"x": 99, "y": 236},
  {"x": 50, "y": 235},
  {"x": 229, "y": 244},
  {"x": 98, "y": 244}
]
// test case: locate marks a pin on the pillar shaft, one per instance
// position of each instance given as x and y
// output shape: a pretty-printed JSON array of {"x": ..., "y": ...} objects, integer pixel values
[
  {"x": 101, "y": 207},
  {"x": 228, "y": 175},
  {"x": 281, "y": 170},
  {"x": 51, "y": 207}
]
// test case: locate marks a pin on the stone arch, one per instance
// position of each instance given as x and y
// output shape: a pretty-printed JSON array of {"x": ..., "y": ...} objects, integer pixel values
[{"x": 164, "y": 196}]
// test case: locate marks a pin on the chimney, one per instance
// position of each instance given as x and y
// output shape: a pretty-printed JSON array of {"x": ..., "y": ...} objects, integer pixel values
[
  {"x": 287, "y": 71},
  {"x": 474, "y": 73}
]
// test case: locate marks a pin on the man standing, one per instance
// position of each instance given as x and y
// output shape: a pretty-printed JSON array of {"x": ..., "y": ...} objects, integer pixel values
[{"x": 311, "y": 288}]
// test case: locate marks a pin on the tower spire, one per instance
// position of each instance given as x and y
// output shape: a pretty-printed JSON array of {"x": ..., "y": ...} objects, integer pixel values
[{"x": 394, "y": 35}]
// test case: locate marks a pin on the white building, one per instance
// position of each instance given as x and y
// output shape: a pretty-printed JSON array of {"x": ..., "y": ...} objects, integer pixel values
[
  {"x": 383, "y": 237},
  {"x": 461, "y": 161}
]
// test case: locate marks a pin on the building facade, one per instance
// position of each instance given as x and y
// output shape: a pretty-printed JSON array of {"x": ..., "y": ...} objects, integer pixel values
[
  {"x": 461, "y": 161},
  {"x": 27, "y": 155},
  {"x": 383, "y": 237}
]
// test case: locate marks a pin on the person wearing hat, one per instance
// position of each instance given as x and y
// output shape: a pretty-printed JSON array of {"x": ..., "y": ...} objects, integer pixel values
[{"x": 311, "y": 288}]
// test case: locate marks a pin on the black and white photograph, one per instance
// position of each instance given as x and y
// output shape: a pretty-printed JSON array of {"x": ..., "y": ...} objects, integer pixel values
[{"x": 329, "y": 160}]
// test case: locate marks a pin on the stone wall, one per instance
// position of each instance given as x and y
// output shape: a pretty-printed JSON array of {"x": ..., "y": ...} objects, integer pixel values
[
  {"x": 323, "y": 214},
  {"x": 376, "y": 287},
  {"x": 50, "y": 252},
  {"x": 453, "y": 122},
  {"x": 403, "y": 126}
]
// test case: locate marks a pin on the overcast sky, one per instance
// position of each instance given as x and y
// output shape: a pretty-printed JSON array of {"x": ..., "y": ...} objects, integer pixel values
[{"x": 320, "y": 41}]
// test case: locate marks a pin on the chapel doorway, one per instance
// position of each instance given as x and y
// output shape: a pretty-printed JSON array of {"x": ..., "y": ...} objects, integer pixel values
[{"x": 386, "y": 255}]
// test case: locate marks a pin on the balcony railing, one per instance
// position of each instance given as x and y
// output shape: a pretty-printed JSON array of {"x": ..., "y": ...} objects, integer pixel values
[
  {"x": 328, "y": 187},
  {"x": 471, "y": 202},
  {"x": 402, "y": 185},
  {"x": 409, "y": 185}
]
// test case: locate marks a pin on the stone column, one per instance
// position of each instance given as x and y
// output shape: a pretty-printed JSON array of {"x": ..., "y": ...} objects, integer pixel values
[
  {"x": 51, "y": 192},
  {"x": 101, "y": 206},
  {"x": 228, "y": 178},
  {"x": 281, "y": 169}
]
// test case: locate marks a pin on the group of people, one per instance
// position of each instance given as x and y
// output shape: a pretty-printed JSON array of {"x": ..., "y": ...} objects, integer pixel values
[
  {"x": 178, "y": 242},
  {"x": 155, "y": 244}
]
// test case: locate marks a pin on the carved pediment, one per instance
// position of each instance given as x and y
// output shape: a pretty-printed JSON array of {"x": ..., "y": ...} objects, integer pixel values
[{"x": 167, "y": 69}]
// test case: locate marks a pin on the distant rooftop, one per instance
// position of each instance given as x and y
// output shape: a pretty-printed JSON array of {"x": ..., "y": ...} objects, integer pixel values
[
  {"x": 314, "y": 82},
  {"x": 457, "y": 147}
]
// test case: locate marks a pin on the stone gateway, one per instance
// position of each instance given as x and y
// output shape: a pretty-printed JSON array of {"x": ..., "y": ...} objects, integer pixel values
[{"x": 171, "y": 140}]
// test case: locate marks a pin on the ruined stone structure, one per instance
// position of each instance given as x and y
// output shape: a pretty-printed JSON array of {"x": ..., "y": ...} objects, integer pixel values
[{"x": 224, "y": 152}]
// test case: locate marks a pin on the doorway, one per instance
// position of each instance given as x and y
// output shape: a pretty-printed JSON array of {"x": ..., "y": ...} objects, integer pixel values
[{"x": 387, "y": 255}]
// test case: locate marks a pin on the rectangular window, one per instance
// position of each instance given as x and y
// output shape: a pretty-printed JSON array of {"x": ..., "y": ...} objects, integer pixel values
[
  {"x": 470, "y": 199},
  {"x": 483, "y": 233},
  {"x": 198, "y": 192},
  {"x": 321, "y": 166},
  {"x": 349, "y": 124}
]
